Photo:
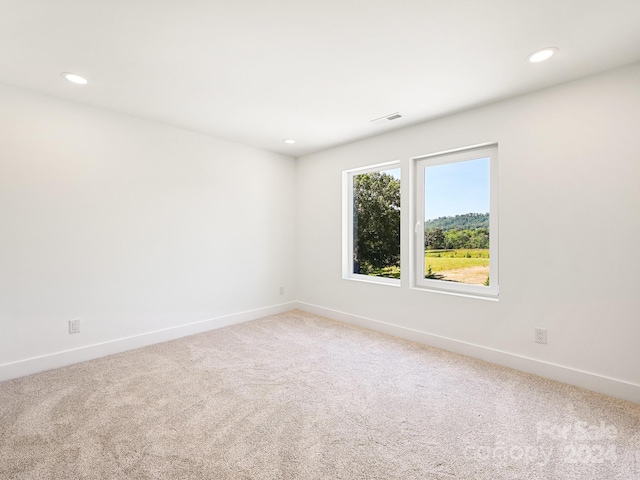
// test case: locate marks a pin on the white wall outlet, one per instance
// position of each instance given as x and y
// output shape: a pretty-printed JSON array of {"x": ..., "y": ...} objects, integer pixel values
[
  {"x": 281, "y": 290},
  {"x": 74, "y": 326},
  {"x": 541, "y": 335}
]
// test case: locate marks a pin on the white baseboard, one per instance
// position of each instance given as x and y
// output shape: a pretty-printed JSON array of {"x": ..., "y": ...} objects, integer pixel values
[
  {"x": 591, "y": 381},
  {"x": 28, "y": 366}
]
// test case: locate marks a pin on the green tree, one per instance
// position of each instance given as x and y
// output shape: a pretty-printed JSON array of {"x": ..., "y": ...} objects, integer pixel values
[
  {"x": 376, "y": 223},
  {"x": 466, "y": 221},
  {"x": 458, "y": 238},
  {"x": 470, "y": 230},
  {"x": 480, "y": 238},
  {"x": 434, "y": 239}
]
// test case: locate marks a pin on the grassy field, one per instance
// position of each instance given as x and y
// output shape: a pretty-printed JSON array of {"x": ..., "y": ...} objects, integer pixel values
[
  {"x": 445, "y": 260},
  {"x": 464, "y": 265},
  {"x": 389, "y": 272}
]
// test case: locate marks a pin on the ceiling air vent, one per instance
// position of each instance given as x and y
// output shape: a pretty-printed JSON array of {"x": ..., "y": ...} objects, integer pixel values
[{"x": 386, "y": 119}]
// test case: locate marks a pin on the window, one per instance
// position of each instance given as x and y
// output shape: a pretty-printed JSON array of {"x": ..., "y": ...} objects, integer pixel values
[
  {"x": 371, "y": 224},
  {"x": 456, "y": 243}
]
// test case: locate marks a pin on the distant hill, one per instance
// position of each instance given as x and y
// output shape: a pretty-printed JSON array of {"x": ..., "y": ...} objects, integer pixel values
[{"x": 467, "y": 221}]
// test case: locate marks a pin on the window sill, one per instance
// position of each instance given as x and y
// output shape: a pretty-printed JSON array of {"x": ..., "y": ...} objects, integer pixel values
[
  {"x": 392, "y": 282},
  {"x": 477, "y": 296}
]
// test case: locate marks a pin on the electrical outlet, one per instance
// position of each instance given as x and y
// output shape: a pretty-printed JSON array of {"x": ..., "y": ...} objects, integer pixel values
[
  {"x": 541, "y": 335},
  {"x": 74, "y": 326},
  {"x": 281, "y": 290}
]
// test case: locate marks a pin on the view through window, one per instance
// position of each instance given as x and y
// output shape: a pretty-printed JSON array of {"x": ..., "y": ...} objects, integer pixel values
[
  {"x": 375, "y": 237},
  {"x": 455, "y": 205},
  {"x": 456, "y": 223},
  {"x": 454, "y": 200}
]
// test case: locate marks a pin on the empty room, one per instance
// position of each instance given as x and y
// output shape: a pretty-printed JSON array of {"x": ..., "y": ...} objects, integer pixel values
[{"x": 320, "y": 240}]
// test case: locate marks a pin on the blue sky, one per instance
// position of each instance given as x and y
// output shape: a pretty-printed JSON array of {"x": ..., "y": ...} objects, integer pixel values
[{"x": 456, "y": 188}]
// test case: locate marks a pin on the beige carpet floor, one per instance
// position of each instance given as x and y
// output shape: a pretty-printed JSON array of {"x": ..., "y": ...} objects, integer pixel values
[{"x": 297, "y": 396}]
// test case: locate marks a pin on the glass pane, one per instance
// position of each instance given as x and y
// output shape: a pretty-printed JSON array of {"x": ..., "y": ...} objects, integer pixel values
[
  {"x": 456, "y": 222},
  {"x": 376, "y": 223}
]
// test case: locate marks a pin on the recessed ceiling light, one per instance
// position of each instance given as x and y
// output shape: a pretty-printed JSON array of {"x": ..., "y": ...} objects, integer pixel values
[
  {"x": 542, "y": 54},
  {"x": 73, "y": 78},
  {"x": 289, "y": 141}
]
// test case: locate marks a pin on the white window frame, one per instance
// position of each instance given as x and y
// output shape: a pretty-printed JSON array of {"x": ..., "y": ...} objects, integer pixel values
[
  {"x": 347, "y": 223},
  {"x": 454, "y": 156}
]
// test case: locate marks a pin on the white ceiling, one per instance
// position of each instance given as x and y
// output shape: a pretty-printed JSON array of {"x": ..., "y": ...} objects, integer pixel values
[{"x": 259, "y": 71}]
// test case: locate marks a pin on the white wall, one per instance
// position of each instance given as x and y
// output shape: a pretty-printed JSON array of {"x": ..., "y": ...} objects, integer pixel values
[
  {"x": 137, "y": 228},
  {"x": 569, "y": 187},
  {"x": 132, "y": 227}
]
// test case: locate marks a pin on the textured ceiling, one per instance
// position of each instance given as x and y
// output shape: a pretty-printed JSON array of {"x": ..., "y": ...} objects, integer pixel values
[{"x": 257, "y": 72}]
